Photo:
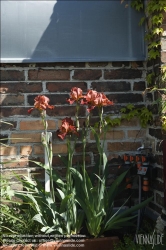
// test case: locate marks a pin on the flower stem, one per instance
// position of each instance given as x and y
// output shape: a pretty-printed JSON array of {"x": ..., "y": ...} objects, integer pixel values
[{"x": 48, "y": 148}]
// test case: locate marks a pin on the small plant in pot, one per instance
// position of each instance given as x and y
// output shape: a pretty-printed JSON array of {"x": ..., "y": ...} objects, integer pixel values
[{"x": 83, "y": 198}]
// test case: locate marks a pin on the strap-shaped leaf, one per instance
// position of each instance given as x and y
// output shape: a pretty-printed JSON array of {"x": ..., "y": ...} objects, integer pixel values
[
  {"x": 63, "y": 204},
  {"x": 118, "y": 222},
  {"x": 114, "y": 187},
  {"x": 41, "y": 165},
  {"x": 97, "y": 139},
  {"x": 134, "y": 208}
]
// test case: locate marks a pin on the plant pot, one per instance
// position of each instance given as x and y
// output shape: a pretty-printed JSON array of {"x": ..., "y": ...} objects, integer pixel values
[{"x": 104, "y": 243}]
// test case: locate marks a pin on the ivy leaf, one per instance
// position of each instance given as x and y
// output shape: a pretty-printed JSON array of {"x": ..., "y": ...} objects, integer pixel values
[
  {"x": 154, "y": 45},
  {"x": 153, "y": 54},
  {"x": 130, "y": 106},
  {"x": 142, "y": 21},
  {"x": 123, "y": 110},
  {"x": 157, "y": 31}
]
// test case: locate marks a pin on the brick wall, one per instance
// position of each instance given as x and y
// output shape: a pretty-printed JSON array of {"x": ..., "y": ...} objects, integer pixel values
[{"x": 120, "y": 81}]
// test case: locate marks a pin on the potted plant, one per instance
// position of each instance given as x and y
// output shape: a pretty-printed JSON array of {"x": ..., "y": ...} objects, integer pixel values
[{"x": 84, "y": 198}]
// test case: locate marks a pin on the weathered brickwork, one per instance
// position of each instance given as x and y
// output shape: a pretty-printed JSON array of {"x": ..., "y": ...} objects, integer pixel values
[{"x": 119, "y": 83}]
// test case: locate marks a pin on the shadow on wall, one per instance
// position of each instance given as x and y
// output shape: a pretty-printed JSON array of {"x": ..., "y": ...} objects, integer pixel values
[
  {"x": 70, "y": 23},
  {"x": 86, "y": 30}
]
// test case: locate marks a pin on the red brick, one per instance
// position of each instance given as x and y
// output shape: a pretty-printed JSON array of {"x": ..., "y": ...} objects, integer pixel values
[
  {"x": 125, "y": 98},
  {"x": 111, "y": 86},
  {"x": 25, "y": 137},
  {"x": 25, "y": 150},
  {"x": 57, "y": 149},
  {"x": 122, "y": 74},
  {"x": 65, "y": 111},
  {"x": 132, "y": 123},
  {"x": 65, "y": 86},
  {"x": 36, "y": 125},
  {"x": 112, "y": 135},
  {"x": 8, "y": 151},
  {"x": 7, "y": 112},
  {"x": 43, "y": 74},
  {"x": 15, "y": 100},
  {"x": 60, "y": 65},
  {"x": 12, "y": 75},
  {"x": 120, "y": 64},
  {"x": 77, "y": 159},
  {"x": 17, "y": 186},
  {"x": 136, "y": 133},
  {"x": 9, "y": 174},
  {"x": 90, "y": 147},
  {"x": 113, "y": 156},
  {"x": 163, "y": 57},
  {"x": 97, "y": 64},
  {"x": 123, "y": 146},
  {"x": 18, "y": 163},
  {"x": 57, "y": 161},
  {"x": 87, "y": 74},
  {"x": 139, "y": 86},
  {"x": 21, "y": 87},
  {"x": 163, "y": 44}
]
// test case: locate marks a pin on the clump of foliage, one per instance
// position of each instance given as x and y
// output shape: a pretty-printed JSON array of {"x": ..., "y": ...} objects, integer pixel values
[
  {"x": 153, "y": 16},
  {"x": 144, "y": 115},
  {"x": 16, "y": 218}
]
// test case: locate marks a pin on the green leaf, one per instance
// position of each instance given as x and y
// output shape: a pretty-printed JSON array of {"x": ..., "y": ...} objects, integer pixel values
[
  {"x": 142, "y": 21},
  {"x": 64, "y": 203},
  {"x": 79, "y": 221},
  {"x": 39, "y": 218},
  {"x": 41, "y": 165},
  {"x": 65, "y": 161},
  {"x": 58, "y": 180},
  {"x": 62, "y": 195},
  {"x": 114, "y": 187},
  {"x": 97, "y": 139},
  {"x": 134, "y": 208},
  {"x": 13, "y": 232},
  {"x": 123, "y": 110},
  {"x": 119, "y": 222}
]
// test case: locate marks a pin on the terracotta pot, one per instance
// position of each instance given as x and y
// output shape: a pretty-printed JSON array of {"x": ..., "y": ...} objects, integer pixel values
[{"x": 105, "y": 243}]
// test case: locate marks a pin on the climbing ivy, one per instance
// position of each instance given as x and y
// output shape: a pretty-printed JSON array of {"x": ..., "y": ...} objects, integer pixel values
[
  {"x": 153, "y": 18},
  {"x": 127, "y": 113}
]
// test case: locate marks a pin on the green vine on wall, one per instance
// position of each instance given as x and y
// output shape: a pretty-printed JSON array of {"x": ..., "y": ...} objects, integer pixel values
[
  {"x": 153, "y": 19},
  {"x": 143, "y": 114}
]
